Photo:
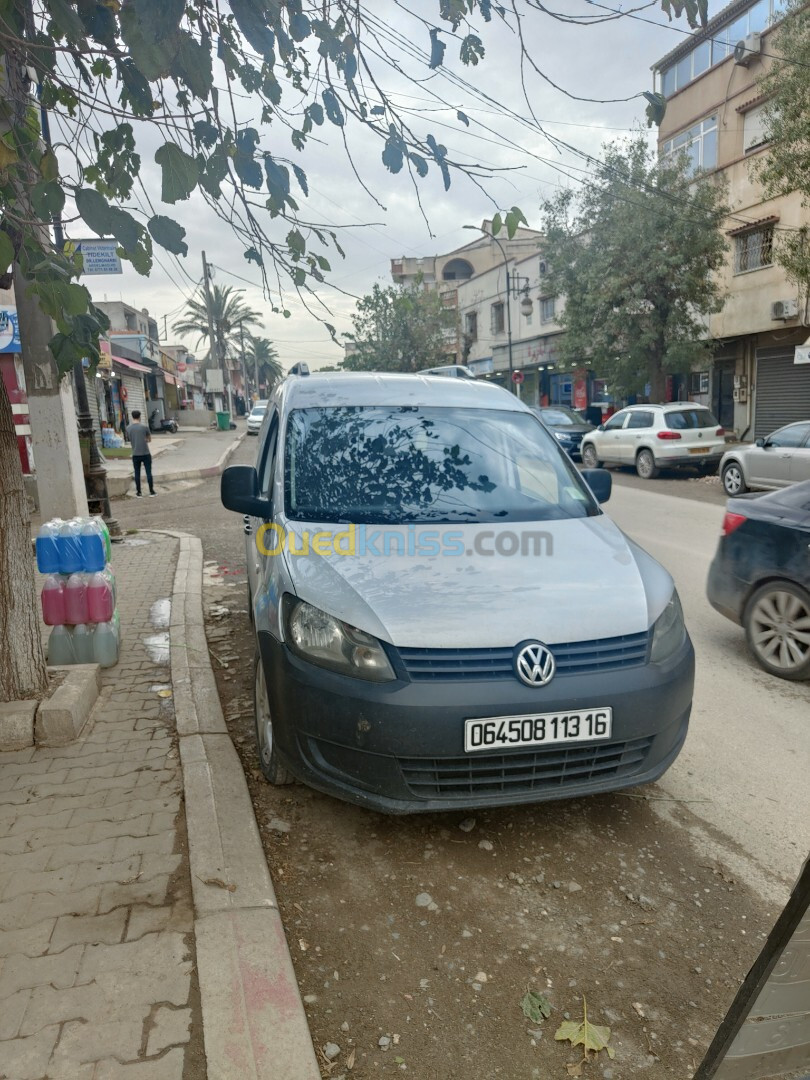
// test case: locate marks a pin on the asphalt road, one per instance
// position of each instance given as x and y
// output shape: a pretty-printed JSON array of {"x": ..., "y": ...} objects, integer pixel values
[{"x": 748, "y": 750}]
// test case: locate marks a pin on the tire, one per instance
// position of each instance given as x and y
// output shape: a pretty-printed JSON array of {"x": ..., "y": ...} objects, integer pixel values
[
  {"x": 733, "y": 479},
  {"x": 590, "y": 460},
  {"x": 777, "y": 628},
  {"x": 645, "y": 465},
  {"x": 274, "y": 772}
]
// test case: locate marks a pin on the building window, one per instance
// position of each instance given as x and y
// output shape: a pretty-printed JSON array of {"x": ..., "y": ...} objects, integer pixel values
[
  {"x": 497, "y": 318},
  {"x": 698, "y": 382},
  {"x": 720, "y": 45},
  {"x": 754, "y": 134},
  {"x": 753, "y": 249},
  {"x": 547, "y": 307},
  {"x": 699, "y": 143},
  {"x": 457, "y": 270},
  {"x": 471, "y": 325}
]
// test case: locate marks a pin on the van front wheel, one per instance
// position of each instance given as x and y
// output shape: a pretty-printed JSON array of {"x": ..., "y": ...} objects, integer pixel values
[{"x": 274, "y": 771}]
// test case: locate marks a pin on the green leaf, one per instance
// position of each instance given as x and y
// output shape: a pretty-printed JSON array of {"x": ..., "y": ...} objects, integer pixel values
[
  {"x": 419, "y": 164},
  {"x": 301, "y": 177},
  {"x": 463, "y": 118},
  {"x": 378, "y": 110},
  {"x": 66, "y": 20},
  {"x": 94, "y": 209},
  {"x": 180, "y": 172},
  {"x": 315, "y": 113},
  {"x": 497, "y": 224},
  {"x": 166, "y": 232},
  {"x": 472, "y": 50},
  {"x": 250, "y": 18},
  {"x": 437, "y": 49},
  {"x": 65, "y": 352},
  {"x": 47, "y": 199},
  {"x": 136, "y": 88},
  {"x": 205, "y": 133},
  {"x": 48, "y": 165},
  {"x": 296, "y": 243},
  {"x": 591, "y": 1037},
  {"x": 247, "y": 168},
  {"x": 332, "y": 106},
  {"x": 535, "y": 1006},
  {"x": 216, "y": 169},
  {"x": 8, "y": 155},
  {"x": 193, "y": 64},
  {"x": 252, "y": 255},
  {"x": 125, "y": 229},
  {"x": 278, "y": 180},
  {"x": 513, "y": 219},
  {"x": 6, "y": 252},
  {"x": 75, "y": 299}
]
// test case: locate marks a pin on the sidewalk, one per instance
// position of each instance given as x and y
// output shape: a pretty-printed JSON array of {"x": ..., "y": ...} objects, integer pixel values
[
  {"x": 139, "y": 935},
  {"x": 188, "y": 455}
]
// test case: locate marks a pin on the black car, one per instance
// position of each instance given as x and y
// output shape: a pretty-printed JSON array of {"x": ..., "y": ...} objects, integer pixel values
[
  {"x": 760, "y": 577},
  {"x": 567, "y": 427}
]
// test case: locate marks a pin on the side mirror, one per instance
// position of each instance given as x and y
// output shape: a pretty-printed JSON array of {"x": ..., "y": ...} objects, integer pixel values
[
  {"x": 600, "y": 482},
  {"x": 239, "y": 491},
  {"x": 761, "y": 443},
  {"x": 601, "y": 427}
]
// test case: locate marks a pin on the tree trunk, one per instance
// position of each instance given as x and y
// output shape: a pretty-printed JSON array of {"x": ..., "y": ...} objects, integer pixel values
[
  {"x": 22, "y": 661},
  {"x": 658, "y": 380}
]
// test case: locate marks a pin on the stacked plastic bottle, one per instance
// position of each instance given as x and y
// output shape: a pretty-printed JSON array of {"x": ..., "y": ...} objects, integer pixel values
[{"x": 78, "y": 594}]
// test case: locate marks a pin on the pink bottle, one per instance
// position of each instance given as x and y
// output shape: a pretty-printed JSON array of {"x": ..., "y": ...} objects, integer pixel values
[
  {"x": 53, "y": 601},
  {"x": 76, "y": 600},
  {"x": 100, "y": 602}
]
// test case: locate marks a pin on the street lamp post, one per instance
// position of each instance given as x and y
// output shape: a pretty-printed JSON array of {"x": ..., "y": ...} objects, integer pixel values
[{"x": 516, "y": 285}]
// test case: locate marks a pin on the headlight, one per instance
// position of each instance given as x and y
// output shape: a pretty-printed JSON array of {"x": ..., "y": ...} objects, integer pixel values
[
  {"x": 559, "y": 435},
  {"x": 331, "y": 643},
  {"x": 669, "y": 630}
]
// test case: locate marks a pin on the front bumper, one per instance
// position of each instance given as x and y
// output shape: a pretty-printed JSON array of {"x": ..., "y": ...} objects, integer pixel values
[{"x": 398, "y": 747}]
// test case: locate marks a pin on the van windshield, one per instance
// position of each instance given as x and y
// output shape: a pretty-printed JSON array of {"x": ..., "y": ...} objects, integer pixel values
[{"x": 386, "y": 464}]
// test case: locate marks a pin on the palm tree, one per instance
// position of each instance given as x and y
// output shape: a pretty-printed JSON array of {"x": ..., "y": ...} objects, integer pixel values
[
  {"x": 230, "y": 313},
  {"x": 261, "y": 360}
]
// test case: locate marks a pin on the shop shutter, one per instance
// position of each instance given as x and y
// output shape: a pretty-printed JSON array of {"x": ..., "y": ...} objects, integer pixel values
[
  {"x": 135, "y": 395},
  {"x": 782, "y": 390}
]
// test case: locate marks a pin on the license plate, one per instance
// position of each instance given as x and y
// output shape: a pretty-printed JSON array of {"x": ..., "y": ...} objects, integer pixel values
[
  {"x": 699, "y": 449},
  {"x": 537, "y": 729}
]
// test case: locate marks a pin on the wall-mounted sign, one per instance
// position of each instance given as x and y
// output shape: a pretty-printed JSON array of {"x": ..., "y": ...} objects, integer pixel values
[
  {"x": 9, "y": 329},
  {"x": 213, "y": 380},
  {"x": 99, "y": 256}
]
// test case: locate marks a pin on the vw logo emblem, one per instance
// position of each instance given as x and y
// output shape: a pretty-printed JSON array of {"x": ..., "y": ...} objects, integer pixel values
[{"x": 535, "y": 664}]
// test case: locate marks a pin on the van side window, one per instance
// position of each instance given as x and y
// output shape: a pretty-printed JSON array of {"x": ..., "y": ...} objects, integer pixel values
[{"x": 268, "y": 458}]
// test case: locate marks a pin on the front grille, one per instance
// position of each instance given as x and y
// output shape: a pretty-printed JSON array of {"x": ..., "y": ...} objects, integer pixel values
[
  {"x": 578, "y": 658},
  {"x": 515, "y": 773}
]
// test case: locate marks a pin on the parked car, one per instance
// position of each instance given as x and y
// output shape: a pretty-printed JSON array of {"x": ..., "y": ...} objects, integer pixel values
[
  {"x": 256, "y": 417},
  {"x": 444, "y": 615},
  {"x": 782, "y": 458},
  {"x": 760, "y": 577},
  {"x": 654, "y": 437},
  {"x": 567, "y": 427}
]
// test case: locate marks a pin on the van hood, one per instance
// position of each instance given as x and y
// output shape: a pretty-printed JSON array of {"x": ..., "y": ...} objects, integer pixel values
[{"x": 572, "y": 580}]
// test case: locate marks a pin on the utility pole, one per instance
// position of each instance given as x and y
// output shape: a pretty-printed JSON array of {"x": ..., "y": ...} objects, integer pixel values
[{"x": 215, "y": 360}]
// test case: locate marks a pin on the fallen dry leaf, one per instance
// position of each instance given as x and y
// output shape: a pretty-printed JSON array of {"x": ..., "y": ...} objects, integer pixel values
[
  {"x": 350, "y": 1059},
  {"x": 220, "y": 884},
  {"x": 303, "y": 945},
  {"x": 575, "y": 1068},
  {"x": 639, "y": 1009}
]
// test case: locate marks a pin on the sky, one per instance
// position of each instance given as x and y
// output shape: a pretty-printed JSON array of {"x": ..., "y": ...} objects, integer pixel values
[{"x": 606, "y": 61}]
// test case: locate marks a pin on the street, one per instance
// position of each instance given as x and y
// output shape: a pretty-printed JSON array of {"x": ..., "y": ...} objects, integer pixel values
[{"x": 416, "y": 939}]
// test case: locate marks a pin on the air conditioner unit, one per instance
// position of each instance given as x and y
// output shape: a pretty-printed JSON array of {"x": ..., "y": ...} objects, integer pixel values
[
  {"x": 784, "y": 309},
  {"x": 747, "y": 49}
]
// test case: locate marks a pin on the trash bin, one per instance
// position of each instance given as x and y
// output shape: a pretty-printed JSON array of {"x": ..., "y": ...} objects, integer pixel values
[{"x": 223, "y": 421}]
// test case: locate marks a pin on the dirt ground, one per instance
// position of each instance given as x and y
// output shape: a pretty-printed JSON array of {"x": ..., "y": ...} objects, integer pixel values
[{"x": 416, "y": 939}]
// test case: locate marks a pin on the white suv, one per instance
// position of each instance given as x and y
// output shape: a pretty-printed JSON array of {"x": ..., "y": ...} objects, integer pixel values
[{"x": 652, "y": 437}]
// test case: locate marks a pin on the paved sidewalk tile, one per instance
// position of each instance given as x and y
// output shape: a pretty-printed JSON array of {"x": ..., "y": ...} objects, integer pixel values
[{"x": 96, "y": 919}]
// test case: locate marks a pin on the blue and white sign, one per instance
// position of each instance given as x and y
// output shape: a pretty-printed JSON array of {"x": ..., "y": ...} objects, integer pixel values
[
  {"x": 99, "y": 256},
  {"x": 9, "y": 330}
]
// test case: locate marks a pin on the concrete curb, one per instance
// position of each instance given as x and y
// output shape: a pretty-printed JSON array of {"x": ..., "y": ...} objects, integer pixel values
[
  {"x": 120, "y": 485},
  {"x": 254, "y": 1022}
]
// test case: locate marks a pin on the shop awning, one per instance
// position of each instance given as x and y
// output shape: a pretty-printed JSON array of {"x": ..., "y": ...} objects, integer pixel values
[
  {"x": 130, "y": 364},
  {"x": 171, "y": 379}
]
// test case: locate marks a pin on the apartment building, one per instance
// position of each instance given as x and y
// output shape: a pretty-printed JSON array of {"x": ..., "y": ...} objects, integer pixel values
[{"x": 714, "y": 111}]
